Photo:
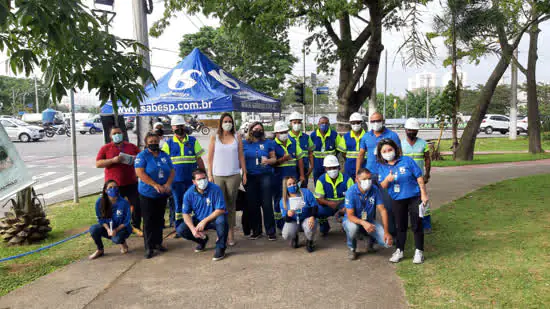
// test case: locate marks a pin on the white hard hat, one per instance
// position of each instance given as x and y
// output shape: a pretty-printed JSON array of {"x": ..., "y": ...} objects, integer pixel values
[
  {"x": 412, "y": 124},
  {"x": 158, "y": 124},
  {"x": 177, "y": 120},
  {"x": 355, "y": 117},
  {"x": 295, "y": 116},
  {"x": 280, "y": 126},
  {"x": 331, "y": 161}
]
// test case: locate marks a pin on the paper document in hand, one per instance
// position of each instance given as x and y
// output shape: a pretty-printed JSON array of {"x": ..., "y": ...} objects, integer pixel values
[
  {"x": 421, "y": 210},
  {"x": 126, "y": 158},
  {"x": 296, "y": 203}
]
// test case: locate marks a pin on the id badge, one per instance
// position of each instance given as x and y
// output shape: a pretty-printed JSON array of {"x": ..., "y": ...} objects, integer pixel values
[
  {"x": 257, "y": 161},
  {"x": 161, "y": 174},
  {"x": 396, "y": 188},
  {"x": 364, "y": 215}
]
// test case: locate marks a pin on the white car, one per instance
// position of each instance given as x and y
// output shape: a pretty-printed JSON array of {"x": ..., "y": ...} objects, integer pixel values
[
  {"x": 493, "y": 122},
  {"x": 522, "y": 125},
  {"x": 22, "y": 131},
  {"x": 92, "y": 125}
]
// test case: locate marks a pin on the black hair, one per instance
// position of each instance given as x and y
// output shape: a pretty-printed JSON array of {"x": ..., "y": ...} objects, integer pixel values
[
  {"x": 149, "y": 135},
  {"x": 382, "y": 143},
  {"x": 198, "y": 171},
  {"x": 363, "y": 170},
  {"x": 105, "y": 206}
]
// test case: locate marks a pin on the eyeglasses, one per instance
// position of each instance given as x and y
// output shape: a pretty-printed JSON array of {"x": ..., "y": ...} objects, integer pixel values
[{"x": 376, "y": 121}]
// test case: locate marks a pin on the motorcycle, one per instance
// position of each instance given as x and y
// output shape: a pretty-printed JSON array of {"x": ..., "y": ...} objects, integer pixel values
[
  {"x": 62, "y": 129},
  {"x": 198, "y": 126}
]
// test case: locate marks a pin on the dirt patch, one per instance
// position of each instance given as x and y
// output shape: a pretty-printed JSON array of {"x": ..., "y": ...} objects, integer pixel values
[
  {"x": 75, "y": 231},
  {"x": 18, "y": 267}
]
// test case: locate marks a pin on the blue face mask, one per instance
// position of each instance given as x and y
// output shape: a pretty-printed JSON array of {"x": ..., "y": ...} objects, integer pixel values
[
  {"x": 112, "y": 192},
  {"x": 117, "y": 138},
  {"x": 292, "y": 189},
  {"x": 324, "y": 127}
]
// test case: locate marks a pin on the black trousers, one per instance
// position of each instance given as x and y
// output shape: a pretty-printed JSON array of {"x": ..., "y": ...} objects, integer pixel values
[
  {"x": 131, "y": 192},
  {"x": 400, "y": 210},
  {"x": 152, "y": 210},
  {"x": 258, "y": 200}
]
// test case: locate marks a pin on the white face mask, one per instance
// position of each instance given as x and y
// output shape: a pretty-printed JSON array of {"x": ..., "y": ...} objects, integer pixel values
[
  {"x": 202, "y": 183},
  {"x": 333, "y": 173},
  {"x": 227, "y": 126},
  {"x": 296, "y": 127},
  {"x": 365, "y": 184},
  {"x": 377, "y": 126},
  {"x": 389, "y": 156},
  {"x": 283, "y": 137},
  {"x": 356, "y": 127}
]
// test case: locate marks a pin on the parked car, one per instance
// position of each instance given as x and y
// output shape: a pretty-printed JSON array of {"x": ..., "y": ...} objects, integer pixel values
[
  {"x": 522, "y": 125},
  {"x": 22, "y": 131},
  {"x": 493, "y": 122},
  {"x": 92, "y": 125}
]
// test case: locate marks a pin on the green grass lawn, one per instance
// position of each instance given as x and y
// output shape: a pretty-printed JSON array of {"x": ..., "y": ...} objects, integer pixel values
[
  {"x": 490, "y": 249},
  {"x": 66, "y": 219},
  {"x": 491, "y": 158},
  {"x": 498, "y": 144}
]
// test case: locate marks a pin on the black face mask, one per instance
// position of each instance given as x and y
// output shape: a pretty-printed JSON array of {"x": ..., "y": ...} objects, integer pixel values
[
  {"x": 412, "y": 135},
  {"x": 159, "y": 132},
  {"x": 153, "y": 147},
  {"x": 258, "y": 134},
  {"x": 180, "y": 131}
]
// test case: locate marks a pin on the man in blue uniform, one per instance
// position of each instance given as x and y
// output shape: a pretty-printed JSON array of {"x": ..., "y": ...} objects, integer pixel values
[
  {"x": 353, "y": 143},
  {"x": 204, "y": 209},
  {"x": 326, "y": 142},
  {"x": 363, "y": 199},
  {"x": 304, "y": 141}
]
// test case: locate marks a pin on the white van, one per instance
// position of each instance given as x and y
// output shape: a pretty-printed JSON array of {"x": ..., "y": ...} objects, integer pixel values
[{"x": 22, "y": 131}]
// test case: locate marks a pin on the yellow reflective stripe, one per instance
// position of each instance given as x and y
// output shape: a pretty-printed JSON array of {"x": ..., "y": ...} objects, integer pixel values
[
  {"x": 320, "y": 154},
  {"x": 322, "y": 220},
  {"x": 340, "y": 148},
  {"x": 352, "y": 154},
  {"x": 318, "y": 195},
  {"x": 183, "y": 159},
  {"x": 179, "y": 216},
  {"x": 200, "y": 153},
  {"x": 335, "y": 199},
  {"x": 278, "y": 215}
]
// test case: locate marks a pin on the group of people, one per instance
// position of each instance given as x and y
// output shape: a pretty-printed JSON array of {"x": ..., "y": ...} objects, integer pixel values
[{"x": 380, "y": 175}]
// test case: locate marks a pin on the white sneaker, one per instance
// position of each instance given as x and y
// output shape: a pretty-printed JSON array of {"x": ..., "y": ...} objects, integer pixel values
[
  {"x": 418, "y": 257},
  {"x": 396, "y": 256}
]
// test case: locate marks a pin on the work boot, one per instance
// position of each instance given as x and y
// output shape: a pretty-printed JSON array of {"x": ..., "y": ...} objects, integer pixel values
[
  {"x": 202, "y": 244},
  {"x": 294, "y": 241},
  {"x": 219, "y": 255},
  {"x": 310, "y": 246},
  {"x": 352, "y": 254},
  {"x": 148, "y": 253}
]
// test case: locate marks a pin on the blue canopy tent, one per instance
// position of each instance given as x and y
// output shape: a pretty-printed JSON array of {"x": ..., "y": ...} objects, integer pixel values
[{"x": 197, "y": 85}]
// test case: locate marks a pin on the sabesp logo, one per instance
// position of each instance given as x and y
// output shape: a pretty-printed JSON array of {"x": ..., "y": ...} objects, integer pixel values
[
  {"x": 178, "y": 76},
  {"x": 224, "y": 79}
]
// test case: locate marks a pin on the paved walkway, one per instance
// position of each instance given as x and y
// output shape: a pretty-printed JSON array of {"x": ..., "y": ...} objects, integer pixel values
[{"x": 256, "y": 274}]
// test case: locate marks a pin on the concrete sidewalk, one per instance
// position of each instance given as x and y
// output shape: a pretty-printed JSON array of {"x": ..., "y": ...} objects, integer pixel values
[{"x": 255, "y": 274}]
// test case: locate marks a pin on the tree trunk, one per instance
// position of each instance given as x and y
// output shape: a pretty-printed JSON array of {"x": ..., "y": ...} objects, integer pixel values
[
  {"x": 465, "y": 150},
  {"x": 533, "y": 116},
  {"x": 454, "y": 118}
]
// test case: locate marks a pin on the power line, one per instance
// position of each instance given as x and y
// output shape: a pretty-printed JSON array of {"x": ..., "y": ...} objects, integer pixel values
[
  {"x": 166, "y": 50},
  {"x": 187, "y": 16}
]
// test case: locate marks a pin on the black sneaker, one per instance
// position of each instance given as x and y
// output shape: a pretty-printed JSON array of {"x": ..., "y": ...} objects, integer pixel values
[
  {"x": 370, "y": 245},
  {"x": 255, "y": 236},
  {"x": 202, "y": 245},
  {"x": 272, "y": 237},
  {"x": 148, "y": 254},
  {"x": 294, "y": 242},
  {"x": 219, "y": 255},
  {"x": 161, "y": 248},
  {"x": 352, "y": 255},
  {"x": 310, "y": 246}
]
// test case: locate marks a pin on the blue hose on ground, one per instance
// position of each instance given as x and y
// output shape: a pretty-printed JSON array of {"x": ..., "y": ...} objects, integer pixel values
[{"x": 43, "y": 248}]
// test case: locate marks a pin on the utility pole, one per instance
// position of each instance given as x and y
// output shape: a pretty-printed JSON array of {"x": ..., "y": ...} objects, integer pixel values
[
  {"x": 36, "y": 95},
  {"x": 73, "y": 142},
  {"x": 428, "y": 100},
  {"x": 385, "y": 80},
  {"x": 514, "y": 101},
  {"x": 140, "y": 22},
  {"x": 304, "y": 105}
]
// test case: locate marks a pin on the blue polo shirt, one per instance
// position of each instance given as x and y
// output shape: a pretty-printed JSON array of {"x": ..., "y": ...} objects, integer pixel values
[
  {"x": 360, "y": 202},
  {"x": 158, "y": 168},
  {"x": 253, "y": 153},
  {"x": 203, "y": 205},
  {"x": 307, "y": 210},
  {"x": 370, "y": 141},
  {"x": 121, "y": 214},
  {"x": 405, "y": 184}
]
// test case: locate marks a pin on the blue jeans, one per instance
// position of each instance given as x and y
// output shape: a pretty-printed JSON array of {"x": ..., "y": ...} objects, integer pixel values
[
  {"x": 323, "y": 214},
  {"x": 427, "y": 222},
  {"x": 258, "y": 198},
  {"x": 220, "y": 225},
  {"x": 178, "y": 191},
  {"x": 353, "y": 230},
  {"x": 97, "y": 231}
]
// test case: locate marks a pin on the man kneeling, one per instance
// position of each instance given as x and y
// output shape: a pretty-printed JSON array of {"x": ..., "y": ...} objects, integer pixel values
[
  {"x": 205, "y": 201},
  {"x": 362, "y": 201}
]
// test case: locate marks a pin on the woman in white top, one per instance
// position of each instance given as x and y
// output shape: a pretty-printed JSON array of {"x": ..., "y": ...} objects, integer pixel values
[{"x": 225, "y": 161}]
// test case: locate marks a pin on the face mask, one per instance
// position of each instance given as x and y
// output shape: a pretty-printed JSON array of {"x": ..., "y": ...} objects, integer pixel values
[
  {"x": 333, "y": 174},
  {"x": 202, "y": 184},
  {"x": 356, "y": 127},
  {"x": 227, "y": 126},
  {"x": 153, "y": 147},
  {"x": 292, "y": 189},
  {"x": 159, "y": 132},
  {"x": 377, "y": 126},
  {"x": 117, "y": 138},
  {"x": 180, "y": 131},
  {"x": 258, "y": 134},
  {"x": 324, "y": 127},
  {"x": 283, "y": 137},
  {"x": 389, "y": 156},
  {"x": 296, "y": 127},
  {"x": 365, "y": 184},
  {"x": 412, "y": 135},
  {"x": 112, "y": 192}
]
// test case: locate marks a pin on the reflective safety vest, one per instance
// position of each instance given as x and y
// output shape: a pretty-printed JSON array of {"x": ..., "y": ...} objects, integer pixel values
[
  {"x": 325, "y": 145},
  {"x": 184, "y": 156},
  {"x": 287, "y": 168},
  {"x": 331, "y": 190},
  {"x": 353, "y": 145},
  {"x": 305, "y": 143},
  {"x": 416, "y": 151}
]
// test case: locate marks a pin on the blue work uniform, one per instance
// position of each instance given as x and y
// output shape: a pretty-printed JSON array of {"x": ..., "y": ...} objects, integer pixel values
[
  {"x": 184, "y": 155},
  {"x": 364, "y": 207},
  {"x": 369, "y": 142},
  {"x": 324, "y": 146},
  {"x": 417, "y": 152},
  {"x": 120, "y": 214},
  {"x": 405, "y": 184},
  {"x": 331, "y": 190},
  {"x": 288, "y": 168},
  {"x": 157, "y": 168},
  {"x": 253, "y": 153},
  {"x": 353, "y": 145},
  {"x": 307, "y": 210},
  {"x": 307, "y": 145},
  {"x": 200, "y": 206}
]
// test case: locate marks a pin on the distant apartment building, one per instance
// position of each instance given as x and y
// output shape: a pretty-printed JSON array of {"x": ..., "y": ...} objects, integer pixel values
[{"x": 422, "y": 81}]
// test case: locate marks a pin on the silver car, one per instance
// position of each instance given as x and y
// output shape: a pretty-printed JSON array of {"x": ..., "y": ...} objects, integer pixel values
[{"x": 22, "y": 131}]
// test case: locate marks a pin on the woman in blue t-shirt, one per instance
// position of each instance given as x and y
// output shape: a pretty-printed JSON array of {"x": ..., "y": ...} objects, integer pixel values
[
  {"x": 156, "y": 173},
  {"x": 113, "y": 217},
  {"x": 259, "y": 155},
  {"x": 403, "y": 179}
]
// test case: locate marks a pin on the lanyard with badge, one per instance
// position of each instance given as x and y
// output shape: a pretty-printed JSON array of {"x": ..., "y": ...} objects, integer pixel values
[
  {"x": 364, "y": 213},
  {"x": 296, "y": 204},
  {"x": 159, "y": 165},
  {"x": 396, "y": 186}
]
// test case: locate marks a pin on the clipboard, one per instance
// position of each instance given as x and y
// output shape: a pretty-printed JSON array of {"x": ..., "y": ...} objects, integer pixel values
[{"x": 296, "y": 203}]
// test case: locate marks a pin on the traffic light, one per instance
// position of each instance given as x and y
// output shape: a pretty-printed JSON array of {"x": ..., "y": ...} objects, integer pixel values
[{"x": 299, "y": 92}]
